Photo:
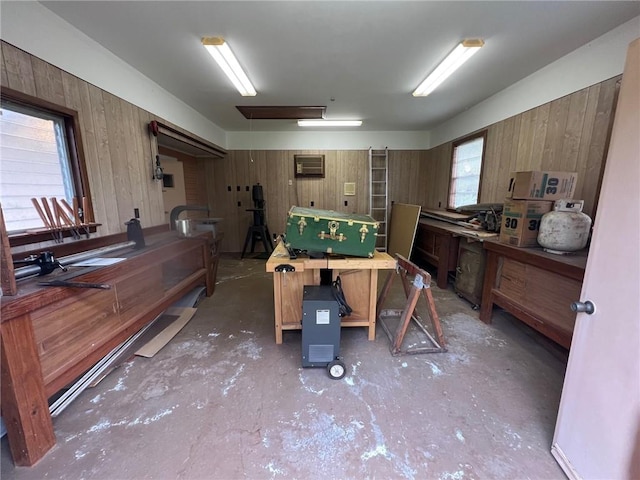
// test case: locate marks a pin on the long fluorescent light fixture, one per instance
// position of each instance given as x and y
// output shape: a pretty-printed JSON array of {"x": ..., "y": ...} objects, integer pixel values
[
  {"x": 221, "y": 53},
  {"x": 463, "y": 52},
  {"x": 329, "y": 123}
]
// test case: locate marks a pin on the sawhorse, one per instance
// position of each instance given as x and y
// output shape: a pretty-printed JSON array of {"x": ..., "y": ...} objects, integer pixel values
[{"x": 421, "y": 284}]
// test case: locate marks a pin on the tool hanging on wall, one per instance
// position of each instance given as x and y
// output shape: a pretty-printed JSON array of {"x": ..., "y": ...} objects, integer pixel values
[{"x": 156, "y": 169}]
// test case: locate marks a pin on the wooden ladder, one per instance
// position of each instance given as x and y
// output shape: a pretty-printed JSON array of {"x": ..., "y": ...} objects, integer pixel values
[
  {"x": 378, "y": 193},
  {"x": 421, "y": 284}
]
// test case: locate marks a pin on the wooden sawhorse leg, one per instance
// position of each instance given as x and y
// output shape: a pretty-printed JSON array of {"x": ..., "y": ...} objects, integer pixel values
[{"x": 421, "y": 284}]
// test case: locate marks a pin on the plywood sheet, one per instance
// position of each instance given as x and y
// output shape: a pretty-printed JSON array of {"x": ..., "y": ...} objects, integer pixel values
[
  {"x": 402, "y": 230},
  {"x": 183, "y": 315}
]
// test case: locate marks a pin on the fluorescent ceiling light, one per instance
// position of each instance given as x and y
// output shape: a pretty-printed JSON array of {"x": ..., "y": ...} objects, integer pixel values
[
  {"x": 463, "y": 52},
  {"x": 221, "y": 53},
  {"x": 329, "y": 123}
]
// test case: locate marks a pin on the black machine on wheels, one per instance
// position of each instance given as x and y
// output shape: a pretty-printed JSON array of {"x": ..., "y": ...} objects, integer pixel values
[
  {"x": 321, "y": 308},
  {"x": 258, "y": 231}
]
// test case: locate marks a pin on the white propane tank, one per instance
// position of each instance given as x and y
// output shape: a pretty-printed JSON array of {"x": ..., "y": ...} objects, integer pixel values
[{"x": 565, "y": 229}]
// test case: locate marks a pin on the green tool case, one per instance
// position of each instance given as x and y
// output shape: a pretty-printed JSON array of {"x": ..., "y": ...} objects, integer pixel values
[{"x": 316, "y": 230}]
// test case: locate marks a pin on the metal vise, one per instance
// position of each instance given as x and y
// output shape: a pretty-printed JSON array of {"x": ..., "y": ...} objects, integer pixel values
[
  {"x": 176, "y": 211},
  {"x": 45, "y": 260}
]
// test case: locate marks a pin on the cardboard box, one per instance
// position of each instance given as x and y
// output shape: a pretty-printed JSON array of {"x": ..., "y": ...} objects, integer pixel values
[
  {"x": 521, "y": 221},
  {"x": 542, "y": 185}
]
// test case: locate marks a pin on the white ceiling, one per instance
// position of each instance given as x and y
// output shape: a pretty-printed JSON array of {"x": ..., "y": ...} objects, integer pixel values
[{"x": 368, "y": 56}]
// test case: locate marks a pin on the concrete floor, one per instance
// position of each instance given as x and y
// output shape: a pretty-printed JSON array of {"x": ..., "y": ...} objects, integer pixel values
[{"x": 223, "y": 401}]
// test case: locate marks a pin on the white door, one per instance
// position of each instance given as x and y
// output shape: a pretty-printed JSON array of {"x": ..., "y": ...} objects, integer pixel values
[
  {"x": 173, "y": 190},
  {"x": 598, "y": 428}
]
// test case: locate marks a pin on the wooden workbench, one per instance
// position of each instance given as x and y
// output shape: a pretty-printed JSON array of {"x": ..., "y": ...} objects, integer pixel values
[
  {"x": 359, "y": 277},
  {"x": 52, "y": 335},
  {"x": 534, "y": 286},
  {"x": 437, "y": 243}
]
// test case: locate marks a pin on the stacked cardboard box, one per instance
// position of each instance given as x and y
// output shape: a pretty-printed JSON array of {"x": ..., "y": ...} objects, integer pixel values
[{"x": 531, "y": 195}]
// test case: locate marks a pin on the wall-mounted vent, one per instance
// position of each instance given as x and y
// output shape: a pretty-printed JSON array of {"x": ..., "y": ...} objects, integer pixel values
[
  {"x": 349, "y": 188},
  {"x": 308, "y": 166}
]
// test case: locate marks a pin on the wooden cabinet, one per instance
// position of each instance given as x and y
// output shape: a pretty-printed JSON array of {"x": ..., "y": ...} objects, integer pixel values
[
  {"x": 52, "y": 335},
  {"x": 534, "y": 286},
  {"x": 437, "y": 244},
  {"x": 470, "y": 271}
]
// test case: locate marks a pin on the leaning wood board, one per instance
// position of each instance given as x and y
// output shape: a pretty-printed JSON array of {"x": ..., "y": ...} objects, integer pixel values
[{"x": 402, "y": 230}]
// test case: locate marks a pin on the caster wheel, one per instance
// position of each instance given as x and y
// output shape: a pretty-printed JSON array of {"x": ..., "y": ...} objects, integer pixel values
[{"x": 336, "y": 369}]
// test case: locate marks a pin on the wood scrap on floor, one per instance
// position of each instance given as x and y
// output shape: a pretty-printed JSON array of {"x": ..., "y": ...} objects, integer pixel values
[{"x": 179, "y": 317}]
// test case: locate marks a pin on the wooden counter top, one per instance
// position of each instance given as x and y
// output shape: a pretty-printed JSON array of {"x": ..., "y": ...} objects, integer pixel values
[
  {"x": 280, "y": 256},
  {"x": 30, "y": 295},
  {"x": 457, "y": 230},
  {"x": 571, "y": 265}
]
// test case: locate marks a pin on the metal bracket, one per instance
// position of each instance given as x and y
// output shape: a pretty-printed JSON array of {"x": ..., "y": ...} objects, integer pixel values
[{"x": 284, "y": 268}]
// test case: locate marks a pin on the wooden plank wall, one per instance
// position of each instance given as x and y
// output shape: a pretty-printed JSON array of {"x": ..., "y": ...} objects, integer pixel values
[
  {"x": 567, "y": 134},
  {"x": 115, "y": 139},
  {"x": 228, "y": 180}
]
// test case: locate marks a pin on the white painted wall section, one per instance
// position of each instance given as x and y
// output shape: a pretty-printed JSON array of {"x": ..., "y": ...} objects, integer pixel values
[
  {"x": 592, "y": 63},
  {"x": 351, "y": 140},
  {"x": 33, "y": 28}
]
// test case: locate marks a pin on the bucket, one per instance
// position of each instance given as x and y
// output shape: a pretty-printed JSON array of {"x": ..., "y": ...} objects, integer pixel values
[{"x": 184, "y": 227}]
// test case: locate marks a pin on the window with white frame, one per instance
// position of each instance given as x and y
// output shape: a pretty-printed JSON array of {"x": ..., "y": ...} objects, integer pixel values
[
  {"x": 466, "y": 170},
  {"x": 37, "y": 159}
]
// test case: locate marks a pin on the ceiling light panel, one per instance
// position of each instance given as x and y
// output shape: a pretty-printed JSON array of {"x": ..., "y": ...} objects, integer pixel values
[
  {"x": 222, "y": 54},
  {"x": 329, "y": 123},
  {"x": 463, "y": 52}
]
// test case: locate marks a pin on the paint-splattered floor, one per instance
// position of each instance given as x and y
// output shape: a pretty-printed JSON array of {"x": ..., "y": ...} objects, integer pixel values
[{"x": 223, "y": 401}]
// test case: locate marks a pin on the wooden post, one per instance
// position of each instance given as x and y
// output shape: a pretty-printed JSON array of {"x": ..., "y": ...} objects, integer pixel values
[
  {"x": 24, "y": 403},
  {"x": 8, "y": 279}
]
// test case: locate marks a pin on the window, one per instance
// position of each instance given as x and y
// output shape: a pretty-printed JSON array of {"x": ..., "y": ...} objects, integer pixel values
[
  {"x": 466, "y": 169},
  {"x": 38, "y": 158}
]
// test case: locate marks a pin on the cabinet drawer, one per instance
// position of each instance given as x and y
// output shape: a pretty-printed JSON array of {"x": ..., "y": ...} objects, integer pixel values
[{"x": 544, "y": 293}]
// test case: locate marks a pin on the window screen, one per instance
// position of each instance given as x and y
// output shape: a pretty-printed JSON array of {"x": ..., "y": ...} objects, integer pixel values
[
  {"x": 34, "y": 163},
  {"x": 465, "y": 172}
]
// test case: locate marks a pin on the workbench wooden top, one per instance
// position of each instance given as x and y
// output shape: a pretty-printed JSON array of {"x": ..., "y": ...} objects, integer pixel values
[
  {"x": 280, "y": 256},
  {"x": 443, "y": 227}
]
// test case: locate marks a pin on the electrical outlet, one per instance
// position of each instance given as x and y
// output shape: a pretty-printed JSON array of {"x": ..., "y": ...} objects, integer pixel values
[
  {"x": 346, "y": 204},
  {"x": 312, "y": 202},
  {"x": 290, "y": 182}
]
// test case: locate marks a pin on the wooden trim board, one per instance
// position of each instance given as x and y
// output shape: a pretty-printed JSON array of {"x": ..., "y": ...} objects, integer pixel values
[{"x": 156, "y": 344}]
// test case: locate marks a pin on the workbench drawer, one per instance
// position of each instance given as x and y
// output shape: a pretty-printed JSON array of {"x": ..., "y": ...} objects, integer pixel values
[{"x": 545, "y": 294}]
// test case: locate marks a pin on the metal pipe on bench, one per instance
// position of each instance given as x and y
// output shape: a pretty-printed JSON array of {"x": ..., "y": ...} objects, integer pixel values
[{"x": 76, "y": 257}]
